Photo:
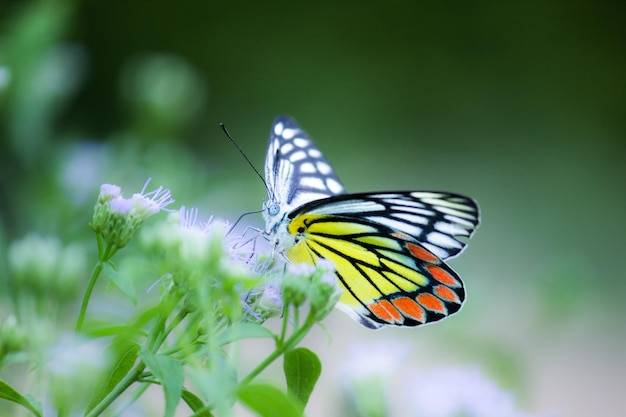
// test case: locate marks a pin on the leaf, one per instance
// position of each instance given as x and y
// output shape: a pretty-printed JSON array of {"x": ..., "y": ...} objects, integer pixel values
[
  {"x": 196, "y": 404},
  {"x": 243, "y": 330},
  {"x": 268, "y": 401},
  {"x": 126, "y": 354},
  {"x": 170, "y": 372},
  {"x": 302, "y": 368},
  {"x": 9, "y": 393},
  {"x": 121, "y": 281}
]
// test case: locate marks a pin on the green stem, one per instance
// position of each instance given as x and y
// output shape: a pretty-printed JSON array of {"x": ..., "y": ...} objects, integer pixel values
[
  {"x": 293, "y": 340},
  {"x": 283, "y": 331},
  {"x": 135, "y": 396},
  {"x": 160, "y": 338},
  {"x": 90, "y": 285},
  {"x": 103, "y": 257},
  {"x": 126, "y": 382}
]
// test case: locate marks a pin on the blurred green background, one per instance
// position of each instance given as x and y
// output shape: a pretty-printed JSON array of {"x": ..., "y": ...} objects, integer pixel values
[{"x": 519, "y": 105}]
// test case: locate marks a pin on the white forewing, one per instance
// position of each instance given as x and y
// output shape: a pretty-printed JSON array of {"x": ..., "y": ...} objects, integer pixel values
[{"x": 296, "y": 172}]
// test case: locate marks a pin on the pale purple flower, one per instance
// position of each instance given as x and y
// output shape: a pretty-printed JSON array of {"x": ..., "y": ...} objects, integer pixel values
[
  {"x": 145, "y": 204},
  {"x": 121, "y": 205},
  {"x": 110, "y": 191},
  {"x": 300, "y": 269}
]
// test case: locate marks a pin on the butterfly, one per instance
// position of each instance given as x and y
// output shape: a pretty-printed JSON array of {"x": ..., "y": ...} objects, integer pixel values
[{"x": 388, "y": 247}]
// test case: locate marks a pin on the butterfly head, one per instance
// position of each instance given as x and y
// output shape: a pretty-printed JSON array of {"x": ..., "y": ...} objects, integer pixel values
[{"x": 276, "y": 225}]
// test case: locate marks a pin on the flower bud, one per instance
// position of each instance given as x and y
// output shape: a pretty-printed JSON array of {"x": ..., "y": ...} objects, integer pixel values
[
  {"x": 12, "y": 337},
  {"x": 325, "y": 290},
  {"x": 118, "y": 218}
]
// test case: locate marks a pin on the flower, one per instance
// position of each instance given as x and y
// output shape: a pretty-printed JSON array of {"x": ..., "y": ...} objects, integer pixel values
[
  {"x": 118, "y": 218},
  {"x": 454, "y": 391},
  {"x": 145, "y": 204},
  {"x": 74, "y": 368},
  {"x": 366, "y": 375},
  {"x": 264, "y": 303},
  {"x": 43, "y": 265}
]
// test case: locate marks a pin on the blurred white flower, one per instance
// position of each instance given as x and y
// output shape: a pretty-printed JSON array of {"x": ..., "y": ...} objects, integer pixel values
[
  {"x": 380, "y": 358},
  {"x": 74, "y": 368},
  {"x": 458, "y": 391},
  {"x": 368, "y": 373}
]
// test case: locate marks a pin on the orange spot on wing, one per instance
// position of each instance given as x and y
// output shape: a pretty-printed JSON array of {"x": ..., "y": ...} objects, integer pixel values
[
  {"x": 446, "y": 294},
  {"x": 401, "y": 235},
  {"x": 410, "y": 308},
  {"x": 385, "y": 311},
  {"x": 431, "y": 302},
  {"x": 421, "y": 253},
  {"x": 443, "y": 276}
]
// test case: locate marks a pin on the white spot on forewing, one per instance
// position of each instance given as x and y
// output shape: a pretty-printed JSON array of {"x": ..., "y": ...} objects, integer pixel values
[
  {"x": 297, "y": 156},
  {"x": 289, "y": 133},
  {"x": 387, "y": 196},
  {"x": 306, "y": 196},
  {"x": 458, "y": 220},
  {"x": 334, "y": 186},
  {"x": 286, "y": 148},
  {"x": 411, "y": 218},
  {"x": 312, "y": 182},
  {"x": 278, "y": 129},
  {"x": 323, "y": 167},
  {"x": 314, "y": 153},
  {"x": 426, "y": 194},
  {"x": 442, "y": 240},
  {"x": 424, "y": 212},
  {"x": 301, "y": 143},
  {"x": 438, "y": 202},
  {"x": 451, "y": 229},
  {"x": 348, "y": 207},
  {"x": 307, "y": 168},
  {"x": 396, "y": 225},
  {"x": 403, "y": 202},
  {"x": 455, "y": 212}
]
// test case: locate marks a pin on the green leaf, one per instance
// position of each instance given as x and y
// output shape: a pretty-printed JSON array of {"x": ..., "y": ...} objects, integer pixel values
[
  {"x": 126, "y": 355},
  {"x": 268, "y": 401},
  {"x": 121, "y": 281},
  {"x": 9, "y": 393},
  {"x": 242, "y": 330},
  {"x": 302, "y": 369},
  {"x": 196, "y": 404},
  {"x": 170, "y": 372}
]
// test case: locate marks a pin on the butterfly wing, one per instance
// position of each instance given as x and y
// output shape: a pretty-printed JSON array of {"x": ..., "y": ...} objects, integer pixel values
[
  {"x": 296, "y": 172},
  {"x": 433, "y": 218},
  {"x": 388, "y": 249}
]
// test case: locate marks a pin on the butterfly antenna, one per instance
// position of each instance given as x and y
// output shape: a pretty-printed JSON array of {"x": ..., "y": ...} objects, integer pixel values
[
  {"x": 239, "y": 219},
  {"x": 242, "y": 153}
]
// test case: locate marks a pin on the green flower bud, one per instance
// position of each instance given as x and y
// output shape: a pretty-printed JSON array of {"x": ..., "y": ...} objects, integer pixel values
[
  {"x": 108, "y": 192},
  {"x": 325, "y": 291},
  {"x": 12, "y": 337},
  {"x": 118, "y": 218},
  {"x": 296, "y": 282},
  {"x": 42, "y": 265},
  {"x": 268, "y": 303}
]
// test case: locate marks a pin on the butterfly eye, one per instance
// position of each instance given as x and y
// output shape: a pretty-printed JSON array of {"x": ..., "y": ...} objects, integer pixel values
[{"x": 273, "y": 209}]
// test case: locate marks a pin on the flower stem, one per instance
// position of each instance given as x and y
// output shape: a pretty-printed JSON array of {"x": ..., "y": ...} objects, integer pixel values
[
  {"x": 90, "y": 285},
  {"x": 281, "y": 348},
  {"x": 126, "y": 382}
]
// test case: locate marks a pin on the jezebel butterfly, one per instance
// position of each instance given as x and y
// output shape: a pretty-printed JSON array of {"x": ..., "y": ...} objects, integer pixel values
[{"x": 388, "y": 247}]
